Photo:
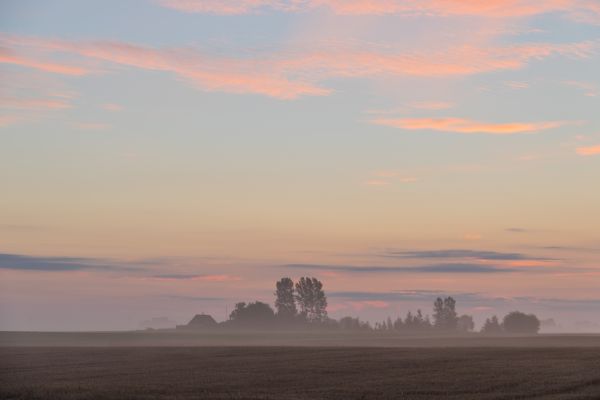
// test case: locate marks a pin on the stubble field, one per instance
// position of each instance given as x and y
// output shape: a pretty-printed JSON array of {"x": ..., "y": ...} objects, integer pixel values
[{"x": 299, "y": 373}]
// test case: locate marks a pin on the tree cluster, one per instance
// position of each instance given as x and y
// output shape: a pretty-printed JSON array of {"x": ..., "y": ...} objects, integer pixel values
[
  {"x": 514, "y": 322},
  {"x": 304, "y": 303}
]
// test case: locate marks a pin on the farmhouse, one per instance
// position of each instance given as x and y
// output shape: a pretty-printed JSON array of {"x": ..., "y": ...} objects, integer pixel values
[{"x": 200, "y": 321}]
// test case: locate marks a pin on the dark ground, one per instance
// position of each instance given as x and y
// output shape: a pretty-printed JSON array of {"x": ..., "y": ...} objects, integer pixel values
[{"x": 299, "y": 373}]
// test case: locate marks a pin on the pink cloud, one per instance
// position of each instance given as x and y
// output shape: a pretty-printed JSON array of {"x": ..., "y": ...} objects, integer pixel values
[
  {"x": 588, "y": 151},
  {"x": 583, "y": 10},
  {"x": 459, "y": 125},
  {"x": 208, "y": 72},
  {"x": 7, "y": 57},
  {"x": 291, "y": 74}
]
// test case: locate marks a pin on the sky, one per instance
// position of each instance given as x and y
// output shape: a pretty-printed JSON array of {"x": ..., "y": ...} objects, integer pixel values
[{"x": 162, "y": 158}]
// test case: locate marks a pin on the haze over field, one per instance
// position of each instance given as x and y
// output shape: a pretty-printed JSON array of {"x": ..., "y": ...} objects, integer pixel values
[{"x": 165, "y": 158}]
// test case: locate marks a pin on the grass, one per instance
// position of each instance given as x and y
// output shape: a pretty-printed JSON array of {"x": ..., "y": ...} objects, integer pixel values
[{"x": 299, "y": 373}]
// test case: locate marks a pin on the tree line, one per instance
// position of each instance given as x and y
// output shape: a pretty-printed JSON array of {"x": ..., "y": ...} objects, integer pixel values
[{"x": 304, "y": 303}]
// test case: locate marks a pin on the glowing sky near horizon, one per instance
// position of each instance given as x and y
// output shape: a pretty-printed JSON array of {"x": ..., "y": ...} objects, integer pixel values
[{"x": 166, "y": 157}]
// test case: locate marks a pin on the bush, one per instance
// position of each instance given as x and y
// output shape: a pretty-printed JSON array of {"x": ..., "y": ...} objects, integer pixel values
[{"x": 518, "y": 322}]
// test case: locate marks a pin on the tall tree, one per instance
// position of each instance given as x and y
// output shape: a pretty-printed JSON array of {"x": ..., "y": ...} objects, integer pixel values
[
  {"x": 438, "y": 313},
  {"x": 284, "y": 301},
  {"x": 451, "y": 315},
  {"x": 444, "y": 313},
  {"x": 311, "y": 299}
]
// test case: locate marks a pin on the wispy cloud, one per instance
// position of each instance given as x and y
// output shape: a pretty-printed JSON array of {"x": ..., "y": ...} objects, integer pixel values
[
  {"x": 583, "y": 10},
  {"x": 517, "y": 230},
  {"x": 459, "y": 125},
  {"x": 8, "y": 57},
  {"x": 291, "y": 73},
  {"x": 460, "y": 268},
  {"x": 35, "y": 263},
  {"x": 34, "y": 104},
  {"x": 458, "y": 253},
  {"x": 589, "y": 89},
  {"x": 588, "y": 151}
]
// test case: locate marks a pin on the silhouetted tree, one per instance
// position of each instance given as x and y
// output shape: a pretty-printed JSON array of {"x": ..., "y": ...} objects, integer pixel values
[
  {"x": 284, "y": 301},
  {"x": 256, "y": 313},
  {"x": 465, "y": 323},
  {"x": 491, "y": 326},
  {"x": 444, "y": 314},
  {"x": 518, "y": 322},
  {"x": 311, "y": 299}
]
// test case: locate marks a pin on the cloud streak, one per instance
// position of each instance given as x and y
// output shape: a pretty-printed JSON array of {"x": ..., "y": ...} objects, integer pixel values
[
  {"x": 459, "y": 253},
  {"x": 292, "y": 73},
  {"x": 588, "y": 151},
  {"x": 450, "y": 268},
  {"x": 582, "y": 10},
  {"x": 465, "y": 126},
  {"x": 8, "y": 57},
  {"x": 33, "y": 263}
]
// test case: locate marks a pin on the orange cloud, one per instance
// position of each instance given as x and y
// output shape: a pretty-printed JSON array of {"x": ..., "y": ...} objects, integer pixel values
[
  {"x": 459, "y": 125},
  {"x": 588, "y": 151}
]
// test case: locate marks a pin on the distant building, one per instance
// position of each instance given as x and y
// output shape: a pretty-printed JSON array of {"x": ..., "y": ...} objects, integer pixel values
[{"x": 200, "y": 321}]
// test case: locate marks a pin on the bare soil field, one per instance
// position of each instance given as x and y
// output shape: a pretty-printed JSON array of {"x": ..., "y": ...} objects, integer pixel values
[{"x": 296, "y": 373}]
